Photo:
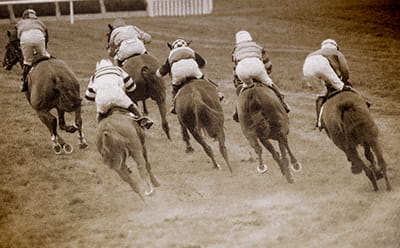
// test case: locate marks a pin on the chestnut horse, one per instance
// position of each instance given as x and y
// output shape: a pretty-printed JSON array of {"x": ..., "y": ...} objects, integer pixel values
[
  {"x": 199, "y": 110},
  {"x": 51, "y": 85},
  {"x": 119, "y": 137},
  {"x": 348, "y": 123},
  {"x": 142, "y": 68},
  {"x": 262, "y": 118}
]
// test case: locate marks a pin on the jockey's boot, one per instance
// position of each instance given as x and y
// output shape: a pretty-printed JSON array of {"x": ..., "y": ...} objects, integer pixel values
[
  {"x": 119, "y": 63},
  {"x": 175, "y": 89},
  {"x": 235, "y": 116},
  {"x": 101, "y": 116},
  {"x": 25, "y": 73},
  {"x": 281, "y": 97},
  {"x": 221, "y": 96},
  {"x": 144, "y": 121},
  {"x": 318, "y": 105}
]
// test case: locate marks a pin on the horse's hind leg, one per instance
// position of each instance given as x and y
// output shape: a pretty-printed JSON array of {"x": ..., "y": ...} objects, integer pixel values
[
  {"x": 153, "y": 179},
  {"x": 62, "y": 124},
  {"x": 296, "y": 166},
  {"x": 222, "y": 148},
  {"x": 186, "y": 139},
  {"x": 163, "y": 113},
  {"x": 78, "y": 124},
  {"x": 370, "y": 156},
  {"x": 284, "y": 162},
  {"x": 140, "y": 160},
  {"x": 376, "y": 147},
  {"x": 118, "y": 163},
  {"x": 356, "y": 161},
  {"x": 262, "y": 168},
  {"x": 205, "y": 146},
  {"x": 51, "y": 123}
]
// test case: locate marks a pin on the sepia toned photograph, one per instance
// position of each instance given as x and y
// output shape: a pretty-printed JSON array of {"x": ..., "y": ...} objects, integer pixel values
[{"x": 199, "y": 123}]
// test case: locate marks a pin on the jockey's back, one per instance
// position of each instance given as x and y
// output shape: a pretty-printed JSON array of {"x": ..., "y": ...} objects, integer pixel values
[
  {"x": 128, "y": 32},
  {"x": 30, "y": 24}
]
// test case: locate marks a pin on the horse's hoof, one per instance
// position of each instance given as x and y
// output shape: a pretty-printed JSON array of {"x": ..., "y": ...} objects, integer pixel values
[
  {"x": 148, "y": 193},
  {"x": 189, "y": 149},
  {"x": 57, "y": 149},
  {"x": 296, "y": 167},
  {"x": 262, "y": 168},
  {"x": 290, "y": 180},
  {"x": 356, "y": 169},
  {"x": 378, "y": 175},
  {"x": 68, "y": 149},
  {"x": 83, "y": 145}
]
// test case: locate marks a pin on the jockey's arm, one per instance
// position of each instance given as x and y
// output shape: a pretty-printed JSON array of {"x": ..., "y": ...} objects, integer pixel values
[
  {"x": 200, "y": 60},
  {"x": 46, "y": 37},
  {"x": 164, "y": 69},
  {"x": 90, "y": 93},
  {"x": 344, "y": 68},
  {"x": 266, "y": 61},
  {"x": 145, "y": 37}
]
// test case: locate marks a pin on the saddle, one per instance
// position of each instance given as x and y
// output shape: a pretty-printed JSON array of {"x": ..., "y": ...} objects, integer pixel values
[{"x": 39, "y": 59}]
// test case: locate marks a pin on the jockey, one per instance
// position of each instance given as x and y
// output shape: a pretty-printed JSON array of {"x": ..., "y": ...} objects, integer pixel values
[
  {"x": 182, "y": 63},
  {"x": 327, "y": 66},
  {"x": 108, "y": 92},
  {"x": 126, "y": 41},
  {"x": 252, "y": 62},
  {"x": 33, "y": 36}
]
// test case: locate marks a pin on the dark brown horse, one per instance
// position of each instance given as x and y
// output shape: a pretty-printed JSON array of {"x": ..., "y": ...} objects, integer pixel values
[
  {"x": 142, "y": 69},
  {"x": 119, "y": 137},
  {"x": 199, "y": 110},
  {"x": 262, "y": 118},
  {"x": 51, "y": 85},
  {"x": 348, "y": 123}
]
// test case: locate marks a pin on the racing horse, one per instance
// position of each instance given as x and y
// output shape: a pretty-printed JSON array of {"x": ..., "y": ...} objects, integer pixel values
[
  {"x": 348, "y": 123},
  {"x": 142, "y": 68},
  {"x": 262, "y": 118},
  {"x": 119, "y": 137},
  {"x": 51, "y": 85},
  {"x": 199, "y": 110}
]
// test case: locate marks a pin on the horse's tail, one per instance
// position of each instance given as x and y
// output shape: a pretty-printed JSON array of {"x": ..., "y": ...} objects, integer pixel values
[
  {"x": 69, "y": 95},
  {"x": 206, "y": 118},
  {"x": 153, "y": 83},
  {"x": 357, "y": 122},
  {"x": 111, "y": 143}
]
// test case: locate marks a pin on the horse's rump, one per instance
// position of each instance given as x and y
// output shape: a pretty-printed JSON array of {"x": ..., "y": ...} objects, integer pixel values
[
  {"x": 346, "y": 117},
  {"x": 198, "y": 107},
  {"x": 260, "y": 111},
  {"x": 52, "y": 81},
  {"x": 142, "y": 69},
  {"x": 117, "y": 133}
]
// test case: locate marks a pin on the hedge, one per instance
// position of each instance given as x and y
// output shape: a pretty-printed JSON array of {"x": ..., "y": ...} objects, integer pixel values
[{"x": 81, "y": 7}]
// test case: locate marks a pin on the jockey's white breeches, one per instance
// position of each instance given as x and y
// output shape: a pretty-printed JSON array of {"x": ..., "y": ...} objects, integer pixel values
[
  {"x": 318, "y": 71},
  {"x": 183, "y": 69},
  {"x": 252, "y": 68},
  {"x": 129, "y": 48},
  {"x": 111, "y": 97},
  {"x": 33, "y": 42}
]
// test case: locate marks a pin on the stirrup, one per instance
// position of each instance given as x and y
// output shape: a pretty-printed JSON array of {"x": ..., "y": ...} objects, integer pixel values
[
  {"x": 172, "y": 110},
  {"x": 145, "y": 122}
]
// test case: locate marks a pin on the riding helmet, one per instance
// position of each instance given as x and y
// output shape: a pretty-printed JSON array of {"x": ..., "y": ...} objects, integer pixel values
[
  {"x": 179, "y": 43},
  {"x": 329, "y": 42},
  {"x": 118, "y": 23},
  {"x": 29, "y": 14},
  {"x": 243, "y": 36}
]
